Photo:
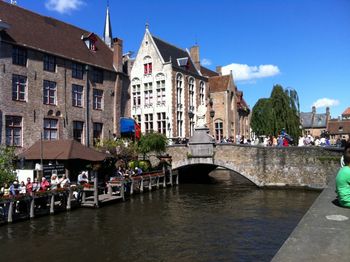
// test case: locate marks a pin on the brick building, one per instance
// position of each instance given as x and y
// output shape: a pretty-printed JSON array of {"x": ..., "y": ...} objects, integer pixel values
[
  {"x": 231, "y": 118},
  {"x": 167, "y": 86},
  {"x": 340, "y": 128},
  {"x": 314, "y": 123},
  {"x": 56, "y": 80}
]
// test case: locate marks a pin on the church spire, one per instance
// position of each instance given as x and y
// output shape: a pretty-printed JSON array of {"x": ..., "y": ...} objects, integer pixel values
[{"x": 107, "y": 33}]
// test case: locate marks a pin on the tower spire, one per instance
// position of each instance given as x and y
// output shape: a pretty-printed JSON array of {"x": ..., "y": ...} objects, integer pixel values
[{"x": 107, "y": 33}]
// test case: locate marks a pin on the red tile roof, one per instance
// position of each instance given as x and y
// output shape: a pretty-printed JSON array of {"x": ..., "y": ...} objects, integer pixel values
[
  {"x": 51, "y": 36},
  {"x": 346, "y": 113}
]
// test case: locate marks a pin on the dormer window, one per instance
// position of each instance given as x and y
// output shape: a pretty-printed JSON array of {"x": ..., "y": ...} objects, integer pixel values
[
  {"x": 90, "y": 41},
  {"x": 183, "y": 62}
]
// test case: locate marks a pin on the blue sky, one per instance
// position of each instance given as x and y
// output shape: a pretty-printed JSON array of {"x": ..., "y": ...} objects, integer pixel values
[{"x": 300, "y": 44}]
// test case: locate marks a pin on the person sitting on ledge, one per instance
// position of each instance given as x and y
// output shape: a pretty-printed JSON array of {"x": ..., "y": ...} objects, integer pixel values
[{"x": 343, "y": 180}]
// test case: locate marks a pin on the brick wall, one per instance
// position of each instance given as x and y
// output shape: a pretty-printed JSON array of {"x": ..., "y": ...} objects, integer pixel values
[{"x": 33, "y": 111}]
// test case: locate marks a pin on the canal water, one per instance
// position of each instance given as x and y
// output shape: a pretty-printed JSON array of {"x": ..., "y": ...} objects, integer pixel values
[{"x": 225, "y": 219}]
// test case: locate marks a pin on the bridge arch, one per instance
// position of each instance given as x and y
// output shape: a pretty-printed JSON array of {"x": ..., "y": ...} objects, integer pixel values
[{"x": 212, "y": 165}]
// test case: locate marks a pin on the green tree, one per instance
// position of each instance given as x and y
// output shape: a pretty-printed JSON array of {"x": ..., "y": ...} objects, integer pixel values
[
  {"x": 280, "y": 111},
  {"x": 152, "y": 142},
  {"x": 7, "y": 157},
  {"x": 262, "y": 117}
]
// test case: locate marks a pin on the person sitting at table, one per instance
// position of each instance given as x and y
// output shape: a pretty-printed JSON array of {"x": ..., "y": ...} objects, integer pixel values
[
  {"x": 5, "y": 190},
  {"x": 44, "y": 184},
  {"x": 22, "y": 188},
  {"x": 64, "y": 181},
  {"x": 83, "y": 178},
  {"x": 36, "y": 185},
  {"x": 29, "y": 186},
  {"x": 54, "y": 182},
  {"x": 14, "y": 188}
]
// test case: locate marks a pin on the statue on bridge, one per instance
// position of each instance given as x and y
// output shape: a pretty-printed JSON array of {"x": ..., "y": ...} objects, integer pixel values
[{"x": 201, "y": 122}]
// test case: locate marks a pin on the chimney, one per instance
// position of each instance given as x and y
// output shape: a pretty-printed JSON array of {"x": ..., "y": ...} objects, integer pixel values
[
  {"x": 219, "y": 70},
  {"x": 118, "y": 54},
  {"x": 314, "y": 109},
  {"x": 194, "y": 52}
]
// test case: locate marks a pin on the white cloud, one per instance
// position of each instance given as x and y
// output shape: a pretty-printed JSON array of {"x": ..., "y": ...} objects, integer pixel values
[
  {"x": 243, "y": 72},
  {"x": 206, "y": 62},
  {"x": 325, "y": 102},
  {"x": 63, "y": 6}
]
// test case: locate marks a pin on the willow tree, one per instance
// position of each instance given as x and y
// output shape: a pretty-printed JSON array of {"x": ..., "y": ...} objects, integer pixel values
[
  {"x": 280, "y": 111},
  {"x": 149, "y": 142},
  {"x": 262, "y": 117}
]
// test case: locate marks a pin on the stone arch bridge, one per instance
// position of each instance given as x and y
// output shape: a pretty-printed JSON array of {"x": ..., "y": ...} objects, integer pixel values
[{"x": 264, "y": 166}]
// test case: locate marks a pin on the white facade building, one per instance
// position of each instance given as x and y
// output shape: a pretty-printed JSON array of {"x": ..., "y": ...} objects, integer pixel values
[{"x": 166, "y": 87}]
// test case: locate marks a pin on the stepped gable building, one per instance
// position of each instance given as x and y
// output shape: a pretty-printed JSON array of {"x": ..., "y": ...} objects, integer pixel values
[
  {"x": 231, "y": 113},
  {"x": 314, "y": 124},
  {"x": 57, "y": 80},
  {"x": 340, "y": 128},
  {"x": 167, "y": 86}
]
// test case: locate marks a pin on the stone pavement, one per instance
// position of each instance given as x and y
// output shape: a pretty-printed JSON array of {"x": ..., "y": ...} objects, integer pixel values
[{"x": 323, "y": 234}]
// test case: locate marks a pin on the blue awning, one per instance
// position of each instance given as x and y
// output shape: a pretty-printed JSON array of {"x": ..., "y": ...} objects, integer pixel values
[{"x": 127, "y": 125}]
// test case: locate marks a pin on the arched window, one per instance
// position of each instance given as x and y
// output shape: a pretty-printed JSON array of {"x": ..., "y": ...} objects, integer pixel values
[
  {"x": 147, "y": 65},
  {"x": 201, "y": 93}
]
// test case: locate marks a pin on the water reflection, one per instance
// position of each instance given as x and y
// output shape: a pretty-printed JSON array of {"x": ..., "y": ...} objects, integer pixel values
[{"x": 227, "y": 220}]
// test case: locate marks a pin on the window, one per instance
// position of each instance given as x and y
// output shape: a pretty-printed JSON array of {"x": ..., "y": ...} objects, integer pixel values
[
  {"x": 137, "y": 118},
  {"x": 191, "y": 95},
  {"x": 50, "y": 129},
  {"x": 97, "y": 133},
  {"x": 77, "y": 95},
  {"x": 78, "y": 127},
  {"x": 148, "y": 123},
  {"x": 77, "y": 70},
  {"x": 219, "y": 130},
  {"x": 13, "y": 130},
  {"x": 148, "y": 94},
  {"x": 19, "y": 87},
  {"x": 97, "y": 99},
  {"x": 201, "y": 93},
  {"x": 161, "y": 123},
  {"x": 97, "y": 75},
  {"x": 179, "y": 123},
  {"x": 49, "y": 93},
  {"x": 49, "y": 63},
  {"x": 147, "y": 68},
  {"x": 179, "y": 91},
  {"x": 191, "y": 126},
  {"x": 136, "y": 95},
  {"x": 19, "y": 56},
  {"x": 161, "y": 92}
]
